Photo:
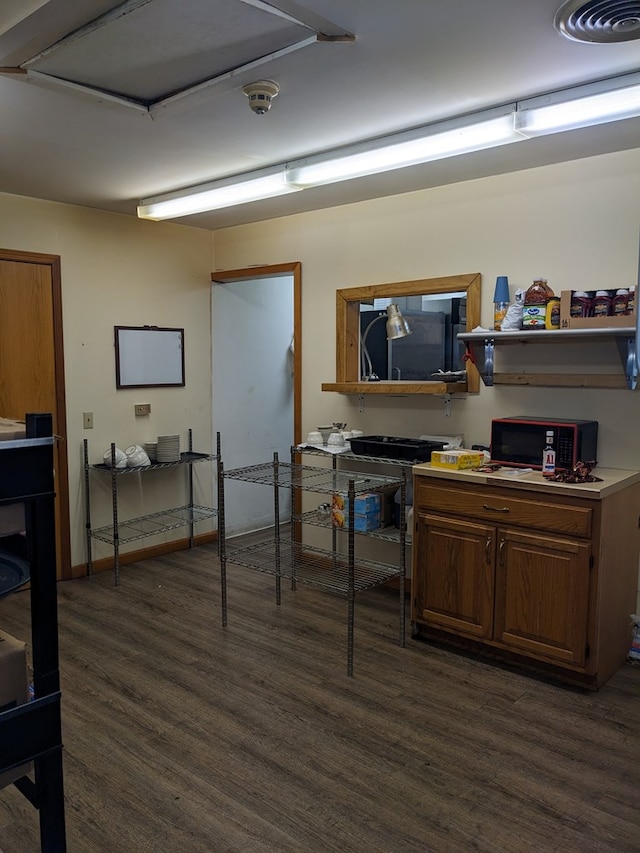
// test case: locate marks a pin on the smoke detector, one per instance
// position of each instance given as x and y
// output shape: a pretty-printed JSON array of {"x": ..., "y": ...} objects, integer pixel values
[
  {"x": 599, "y": 21},
  {"x": 260, "y": 95}
]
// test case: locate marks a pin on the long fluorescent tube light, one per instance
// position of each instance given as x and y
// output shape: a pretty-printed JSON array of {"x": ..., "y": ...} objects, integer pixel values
[
  {"x": 583, "y": 106},
  {"x": 215, "y": 195},
  {"x": 446, "y": 139}
]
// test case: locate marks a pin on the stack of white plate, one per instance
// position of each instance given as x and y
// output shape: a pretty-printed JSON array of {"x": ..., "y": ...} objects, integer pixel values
[
  {"x": 152, "y": 450},
  {"x": 168, "y": 448}
]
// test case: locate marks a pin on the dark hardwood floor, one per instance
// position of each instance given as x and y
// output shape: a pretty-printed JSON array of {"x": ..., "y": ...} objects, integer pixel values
[{"x": 184, "y": 736}]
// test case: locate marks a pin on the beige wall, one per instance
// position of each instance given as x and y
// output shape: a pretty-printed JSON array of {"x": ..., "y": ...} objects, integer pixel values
[
  {"x": 577, "y": 224},
  {"x": 117, "y": 270}
]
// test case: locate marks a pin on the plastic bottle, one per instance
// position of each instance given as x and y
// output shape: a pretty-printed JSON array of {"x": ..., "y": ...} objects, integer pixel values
[
  {"x": 549, "y": 456},
  {"x": 602, "y": 304},
  {"x": 500, "y": 301},
  {"x": 535, "y": 304},
  {"x": 580, "y": 304},
  {"x": 499, "y": 313},
  {"x": 631, "y": 301},
  {"x": 552, "y": 313},
  {"x": 620, "y": 302}
]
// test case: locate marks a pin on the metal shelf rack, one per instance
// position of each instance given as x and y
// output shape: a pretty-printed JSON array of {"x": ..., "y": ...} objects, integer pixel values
[
  {"x": 33, "y": 731},
  {"x": 289, "y": 558},
  {"x": 133, "y": 529}
]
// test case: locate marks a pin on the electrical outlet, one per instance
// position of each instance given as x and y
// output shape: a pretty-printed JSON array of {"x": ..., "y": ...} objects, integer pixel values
[
  {"x": 87, "y": 420},
  {"x": 142, "y": 409}
]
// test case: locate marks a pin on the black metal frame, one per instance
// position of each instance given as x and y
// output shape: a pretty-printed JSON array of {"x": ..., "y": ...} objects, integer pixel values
[{"x": 33, "y": 732}]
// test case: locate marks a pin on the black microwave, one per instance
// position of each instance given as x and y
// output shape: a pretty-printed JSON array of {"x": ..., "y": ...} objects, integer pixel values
[{"x": 519, "y": 441}]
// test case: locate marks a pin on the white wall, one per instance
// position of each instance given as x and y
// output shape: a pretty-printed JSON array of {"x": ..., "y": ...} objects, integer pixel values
[{"x": 117, "y": 270}]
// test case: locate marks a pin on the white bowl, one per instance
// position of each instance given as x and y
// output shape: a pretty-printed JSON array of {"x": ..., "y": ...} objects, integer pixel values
[
  {"x": 315, "y": 437},
  {"x": 121, "y": 458},
  {"x": 138, "y": 459},
  {"x": 336, "y": 439}
]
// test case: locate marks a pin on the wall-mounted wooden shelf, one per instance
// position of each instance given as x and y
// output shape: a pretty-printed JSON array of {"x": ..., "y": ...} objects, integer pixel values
[
  {"x": 395, "y": 388},
  {"x": 482, "y": 347}
]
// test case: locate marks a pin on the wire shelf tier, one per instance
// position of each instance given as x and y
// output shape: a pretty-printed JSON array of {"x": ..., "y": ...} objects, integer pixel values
[
  {"x": 356, "y": 457},
  {"x": 185, "y": 459},
  {"x": 157, "y": 522},
  {"x": 311, "y": 478},
  {"x": 312, "y": 566},
  {"x": 320, "y": 519}
]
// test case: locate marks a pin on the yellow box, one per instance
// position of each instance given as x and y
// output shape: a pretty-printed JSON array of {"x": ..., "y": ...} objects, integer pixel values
[{"x": 456, "y": 459}]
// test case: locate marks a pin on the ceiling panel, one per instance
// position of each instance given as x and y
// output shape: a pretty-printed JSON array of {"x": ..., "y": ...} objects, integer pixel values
[
  {"x": 412, "y": 63},
  {"x": 148, "y": 52}
]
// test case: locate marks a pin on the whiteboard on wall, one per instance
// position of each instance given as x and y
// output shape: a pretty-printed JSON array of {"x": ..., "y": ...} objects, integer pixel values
[{"x": 149, "y": 357}]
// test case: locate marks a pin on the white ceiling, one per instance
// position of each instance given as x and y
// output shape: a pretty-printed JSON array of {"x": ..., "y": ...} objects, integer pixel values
[{"x": 143, "y": 97}]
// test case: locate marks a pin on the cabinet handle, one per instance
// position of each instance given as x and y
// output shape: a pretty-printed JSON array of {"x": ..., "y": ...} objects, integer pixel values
[
  {"x": 487, "y": 550},
  {"x": 503, "y": 542},
  {"x": 495, "y": 508}
]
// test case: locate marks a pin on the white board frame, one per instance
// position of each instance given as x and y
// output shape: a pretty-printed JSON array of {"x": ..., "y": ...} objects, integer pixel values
[{"x": 149, "y": 357}]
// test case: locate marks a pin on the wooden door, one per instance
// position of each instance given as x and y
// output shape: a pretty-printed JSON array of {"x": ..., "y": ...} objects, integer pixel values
[
  {"x": 542, "y": 596},
  {"x": 31, "y": 363},
  {"x": 454, "y": 575}
]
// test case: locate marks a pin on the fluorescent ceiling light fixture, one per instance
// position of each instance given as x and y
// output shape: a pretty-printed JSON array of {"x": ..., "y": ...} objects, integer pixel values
[
  {"x": 590, "y": 104},
  {"x": 215, "y": 195},
  {"x": 448, "y": 139},
  {"x": 581, "y": 107}
]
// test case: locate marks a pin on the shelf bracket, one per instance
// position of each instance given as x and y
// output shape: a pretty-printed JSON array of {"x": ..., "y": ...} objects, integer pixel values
[
  {"x": 485, "y": 369},
  {"x": 361, "y": 402},
  {"x": 631, "y": 368},
  {"x": 447, "y": 405}
]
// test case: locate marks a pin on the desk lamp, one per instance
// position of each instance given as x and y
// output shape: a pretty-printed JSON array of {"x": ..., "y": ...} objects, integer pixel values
[{"x": 397, "y": 327}]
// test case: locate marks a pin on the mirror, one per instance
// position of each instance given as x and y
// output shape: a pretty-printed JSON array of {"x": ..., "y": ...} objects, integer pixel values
[{"x": 428, "y": 360}]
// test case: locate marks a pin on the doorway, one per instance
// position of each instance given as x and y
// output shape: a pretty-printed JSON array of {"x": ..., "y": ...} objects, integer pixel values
[
  {"x": 32, "y": 364},
  {"x": 256, "y": 370}
]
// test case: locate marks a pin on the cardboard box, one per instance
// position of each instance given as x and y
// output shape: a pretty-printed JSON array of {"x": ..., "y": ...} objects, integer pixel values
[
  {"x": 388, "y": 507},
  {"x": 456, "y": 459},
  {"x": 14, "y": 689},
  {"x": 609, "y": 322},
  {"x": 361, "y": 523},
  {"x": 11, "y": 430},
  {"x": 366, "y": 509},
  {"x": 362, "y": 505}
]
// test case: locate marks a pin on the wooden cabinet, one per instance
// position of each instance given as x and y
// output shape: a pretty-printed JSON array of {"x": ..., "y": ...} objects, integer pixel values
[
  {"x": 534, "y": 577},
  {"x": 457, "y": 591}
]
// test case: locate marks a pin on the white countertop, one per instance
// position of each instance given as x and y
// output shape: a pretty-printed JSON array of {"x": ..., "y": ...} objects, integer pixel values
[{"x": 610, "y": 480}]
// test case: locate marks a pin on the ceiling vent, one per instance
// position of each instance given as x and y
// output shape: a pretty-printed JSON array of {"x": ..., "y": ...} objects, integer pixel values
[{"x": 599, "y": 21}]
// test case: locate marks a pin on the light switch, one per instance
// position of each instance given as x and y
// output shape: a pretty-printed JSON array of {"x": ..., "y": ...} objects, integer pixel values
[
  {"x": 87, "y": 420},
  {"x": 142, "y": 409}
]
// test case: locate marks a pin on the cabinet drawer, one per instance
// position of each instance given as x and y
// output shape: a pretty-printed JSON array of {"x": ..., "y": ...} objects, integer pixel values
[{"x": 493, "y": 505}]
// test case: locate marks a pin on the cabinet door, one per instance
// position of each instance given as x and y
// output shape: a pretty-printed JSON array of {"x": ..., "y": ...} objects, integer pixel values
[
  {"x": 454, "y": 575},
  {"x": 542, "y": 596}
]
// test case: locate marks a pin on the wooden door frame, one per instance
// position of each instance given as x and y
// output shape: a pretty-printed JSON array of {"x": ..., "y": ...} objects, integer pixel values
[
  {"x": 62, "y": 475},
  {"x": 295, "y": 270}
]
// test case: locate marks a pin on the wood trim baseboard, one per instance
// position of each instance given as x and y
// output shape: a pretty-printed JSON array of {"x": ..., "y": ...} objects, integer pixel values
[{"x": 106, "y": 564}]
